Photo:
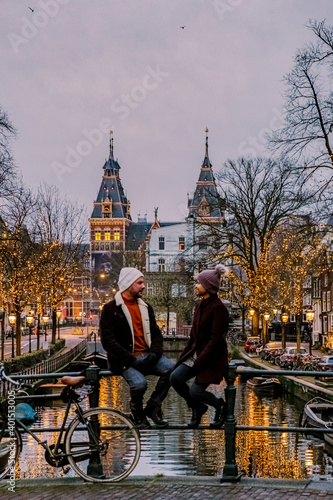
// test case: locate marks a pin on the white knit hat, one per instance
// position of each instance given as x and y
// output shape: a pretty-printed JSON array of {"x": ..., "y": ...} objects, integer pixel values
[{"x": 127, "y": 277}]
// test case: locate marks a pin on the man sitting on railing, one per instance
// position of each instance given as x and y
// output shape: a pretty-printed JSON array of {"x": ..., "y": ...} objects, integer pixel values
[{"x": 133, "y": 343}]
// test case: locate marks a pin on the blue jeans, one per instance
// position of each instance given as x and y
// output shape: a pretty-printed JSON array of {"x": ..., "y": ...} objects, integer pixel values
[
  {"x": 136, "y": 379},
  {"x": 195, "y": 394}
]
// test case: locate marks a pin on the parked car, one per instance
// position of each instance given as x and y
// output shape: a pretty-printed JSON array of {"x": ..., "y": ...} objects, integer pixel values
[
  {"x": 251, "y": 343},
  {"x": 326, "y": 363},
  {"x": 290, "y": 353},
  {"x": 271, "y": 350}
]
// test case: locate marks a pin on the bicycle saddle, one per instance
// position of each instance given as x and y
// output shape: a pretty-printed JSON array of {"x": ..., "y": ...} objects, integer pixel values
[{"x": 73, "y": 381}]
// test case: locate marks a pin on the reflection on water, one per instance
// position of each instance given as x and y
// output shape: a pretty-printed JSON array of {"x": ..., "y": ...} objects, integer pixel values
[{"x": 201, "y": 452}]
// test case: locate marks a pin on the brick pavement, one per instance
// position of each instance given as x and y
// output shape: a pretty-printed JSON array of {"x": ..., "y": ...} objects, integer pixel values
[{"x": 168, "y": 488}]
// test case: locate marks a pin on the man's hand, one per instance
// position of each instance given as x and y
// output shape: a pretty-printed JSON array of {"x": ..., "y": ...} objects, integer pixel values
[{"x": 145, "y": 360}]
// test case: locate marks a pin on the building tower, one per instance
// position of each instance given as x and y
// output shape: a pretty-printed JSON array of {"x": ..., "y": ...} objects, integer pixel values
[
  {"x": 206, "y": 202},
  {"x": 110, "y": 219}
]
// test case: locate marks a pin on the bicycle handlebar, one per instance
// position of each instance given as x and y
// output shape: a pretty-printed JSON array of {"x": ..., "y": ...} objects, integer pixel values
[{"x": 3, "y": 376}]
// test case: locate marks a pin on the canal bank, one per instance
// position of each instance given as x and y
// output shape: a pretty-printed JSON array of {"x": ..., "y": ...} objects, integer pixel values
[
  {"x": 304, "y": 388},
  {"x": 169, "y": 488}
]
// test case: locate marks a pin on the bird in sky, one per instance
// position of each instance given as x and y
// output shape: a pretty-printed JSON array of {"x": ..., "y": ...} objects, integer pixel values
[
  {"x": 32, "y": 10},
  {"x": 182, "y": 27}
]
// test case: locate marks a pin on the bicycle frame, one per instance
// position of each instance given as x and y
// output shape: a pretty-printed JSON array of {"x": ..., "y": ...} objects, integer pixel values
[{"x": 57, "y": 453}]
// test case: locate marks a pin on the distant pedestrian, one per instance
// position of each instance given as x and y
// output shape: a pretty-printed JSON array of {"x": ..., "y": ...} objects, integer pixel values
[
  {"x": 205, "y": 356},
  {"x": 134, "y": 343}
]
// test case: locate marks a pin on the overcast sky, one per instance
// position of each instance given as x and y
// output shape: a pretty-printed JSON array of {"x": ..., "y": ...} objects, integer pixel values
[{"x": 73, "y": 70}]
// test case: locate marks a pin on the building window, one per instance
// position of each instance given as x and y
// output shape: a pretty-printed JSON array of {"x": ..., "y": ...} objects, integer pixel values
[
  {"x": 178, "y": 290},
  {"x": 325, "y": 279},
  {"x": 150, "y": 289},
  {"x": 161, "y": 243},
  {"x": 69, "y": 309},
  {"x": 328, "y": 301},
  {"x": 107, "y": 235},
  {"x": 324, "y": 302},
  {"x": 161, "y": 265},
  {"x": 202, "y": 242},
  {"x": 97, "y": 236},
  {"x": 116, "y": 235},
  {"x": 181, "y": 243}
]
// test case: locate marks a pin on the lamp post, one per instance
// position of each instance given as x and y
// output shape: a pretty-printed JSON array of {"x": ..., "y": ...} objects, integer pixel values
[
  {"x": 2, "y": 318},
  {"x": 266, "y": 318},
  {"x": 46, "y": 320},
  {"x": 309, "y": 318},
  {"x": 12, "y": 321},
  {"x": 252, "y": 311},
  {"x": 284, "y": 318},
  {"x": 275, "y": 311},
  {"x": 30, "y": 319},
  {"x": 58, "y": 318}
]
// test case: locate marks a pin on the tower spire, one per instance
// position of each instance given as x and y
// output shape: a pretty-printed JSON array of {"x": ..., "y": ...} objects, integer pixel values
[
  {"x": 206, "y": 142},
  {"x": 111, "y": 145}
]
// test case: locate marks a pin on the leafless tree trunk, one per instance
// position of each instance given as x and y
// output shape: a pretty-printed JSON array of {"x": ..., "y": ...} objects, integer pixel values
[{"x": 308, "y": 110}]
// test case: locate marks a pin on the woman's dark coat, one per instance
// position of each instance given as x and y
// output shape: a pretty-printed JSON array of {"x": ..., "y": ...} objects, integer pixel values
[{"x": 208, "y": 341}]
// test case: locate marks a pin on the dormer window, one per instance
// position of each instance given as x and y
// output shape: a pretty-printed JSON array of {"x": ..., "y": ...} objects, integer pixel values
[
  {"x": 161, "y": 243},
  {"x": 107, "y": 209}
]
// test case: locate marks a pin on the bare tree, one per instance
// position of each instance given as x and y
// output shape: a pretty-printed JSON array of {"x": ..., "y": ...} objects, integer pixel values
[
  {"x": 297, "y": 253},
  {"x": 260, "y": 196},
  {"x": 59, "y": 231},
  {"x": 7, "y": 168},
  {"x": 18, "y": 254},
  {"x": 308, "y": 110}
]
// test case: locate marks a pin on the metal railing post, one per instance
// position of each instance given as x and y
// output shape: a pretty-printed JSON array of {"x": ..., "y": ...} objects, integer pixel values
[
  {"x": 230, "y": 469},
  {"x": 92, "y": 375}
]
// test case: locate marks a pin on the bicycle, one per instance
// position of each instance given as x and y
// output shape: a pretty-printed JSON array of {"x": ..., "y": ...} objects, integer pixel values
[{"x": 101, "y": 445}]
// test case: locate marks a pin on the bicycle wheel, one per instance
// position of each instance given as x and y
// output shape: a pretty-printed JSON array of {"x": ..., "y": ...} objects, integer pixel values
[
  {"x": 104, "y": 447},
  {"x": 10, "y": 449}
]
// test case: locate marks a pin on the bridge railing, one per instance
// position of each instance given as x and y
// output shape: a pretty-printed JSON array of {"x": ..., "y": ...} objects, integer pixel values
[
  {"x": 48, "y": 365},
  {"x": 231, "y": 472}
]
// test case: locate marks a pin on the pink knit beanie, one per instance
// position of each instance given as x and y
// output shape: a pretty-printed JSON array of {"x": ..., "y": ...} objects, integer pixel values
[{"x": 210, "y": 279}]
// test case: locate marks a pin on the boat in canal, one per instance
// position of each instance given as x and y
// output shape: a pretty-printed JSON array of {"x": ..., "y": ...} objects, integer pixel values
[
  {"x": 318, "y": 413},
  {"x": 262, "y": 385}
]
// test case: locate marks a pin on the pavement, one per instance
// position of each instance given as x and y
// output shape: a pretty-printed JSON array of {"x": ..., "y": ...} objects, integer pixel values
[{"x": 168, "y": 488}]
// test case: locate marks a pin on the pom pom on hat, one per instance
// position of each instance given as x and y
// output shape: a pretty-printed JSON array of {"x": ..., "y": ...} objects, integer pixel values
[
  {"x": 210, "y": 279},
  {"x": 127, "y": 277}
]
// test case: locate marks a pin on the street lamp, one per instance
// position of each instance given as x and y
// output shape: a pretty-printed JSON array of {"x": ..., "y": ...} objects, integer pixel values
[
  {"x": 266, "y": 318},
  {"x": 46, "y": 320},
  {"x": 309, "y": 318},
  {"x": 252, "y": 311},
  {"x": 284, "y": 318},
  {"x": 30, "y": 319},
  {"x": 58, "y": 318},
  {"x": 275, "y": 311},
  {"x": 12, "y": 321}
]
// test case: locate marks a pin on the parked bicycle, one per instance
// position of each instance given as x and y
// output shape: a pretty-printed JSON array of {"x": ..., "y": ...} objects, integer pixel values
[{"x": 100, "y": 444}]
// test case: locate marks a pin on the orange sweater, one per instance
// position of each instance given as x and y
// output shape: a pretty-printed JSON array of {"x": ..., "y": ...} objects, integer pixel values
[{"x": 140, "y": 345}]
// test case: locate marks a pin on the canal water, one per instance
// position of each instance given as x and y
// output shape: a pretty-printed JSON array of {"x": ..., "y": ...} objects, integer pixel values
[{"x": 201, "y": 452}]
